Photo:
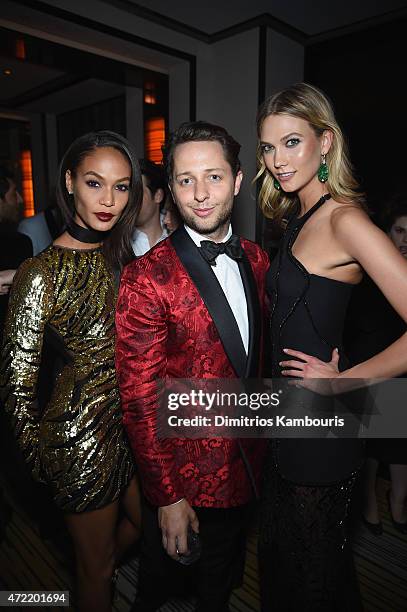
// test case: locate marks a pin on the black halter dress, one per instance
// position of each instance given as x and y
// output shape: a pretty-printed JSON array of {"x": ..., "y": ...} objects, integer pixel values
[{"x": 305, "y": 561}]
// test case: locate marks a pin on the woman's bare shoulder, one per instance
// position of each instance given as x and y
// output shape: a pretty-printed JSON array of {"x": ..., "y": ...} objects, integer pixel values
[{"x": 348, "y": 215}]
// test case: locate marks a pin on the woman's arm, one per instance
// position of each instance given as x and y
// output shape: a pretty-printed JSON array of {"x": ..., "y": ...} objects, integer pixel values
[
  {"x": 378, "y": 256},
  {"x": 30, "y": 307}
]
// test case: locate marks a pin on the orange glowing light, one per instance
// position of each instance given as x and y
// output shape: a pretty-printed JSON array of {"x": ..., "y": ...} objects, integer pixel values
[
  {"x": 154, "y": 138},
  {"x": 149, "y": 98},
  {"x": 149, "y": 94},
  {"x": 20, "y": 48},
  {"x": 27, "y": 183}
]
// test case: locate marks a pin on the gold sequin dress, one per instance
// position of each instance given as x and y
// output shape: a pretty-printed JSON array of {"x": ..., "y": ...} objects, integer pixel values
[{"x": 76, "y": 443}]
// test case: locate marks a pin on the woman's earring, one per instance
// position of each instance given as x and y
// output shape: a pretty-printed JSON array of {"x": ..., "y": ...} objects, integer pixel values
[
  {"x": 276, "y": 184},
  {"x": 323, "y": 171}
]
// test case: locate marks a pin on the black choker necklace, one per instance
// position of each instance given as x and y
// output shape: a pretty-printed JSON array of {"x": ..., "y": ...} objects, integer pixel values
[{"x": 85, "y": 234}]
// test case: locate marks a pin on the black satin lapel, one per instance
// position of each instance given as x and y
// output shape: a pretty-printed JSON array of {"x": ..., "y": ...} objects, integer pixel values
[
  {"x": 212, "y": 294},
  {"x": 254, "y": 316}
]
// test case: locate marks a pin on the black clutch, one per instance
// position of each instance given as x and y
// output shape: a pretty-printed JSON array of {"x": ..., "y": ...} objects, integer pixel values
[{"x": 194, "y": 548}]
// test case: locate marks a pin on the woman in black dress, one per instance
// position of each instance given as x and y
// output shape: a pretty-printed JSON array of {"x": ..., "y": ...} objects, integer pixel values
[{"x": 307, "y": 178}]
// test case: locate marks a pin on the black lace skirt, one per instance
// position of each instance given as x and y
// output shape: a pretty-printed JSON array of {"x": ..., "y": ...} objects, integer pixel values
[{"x": 305, "y": 560}]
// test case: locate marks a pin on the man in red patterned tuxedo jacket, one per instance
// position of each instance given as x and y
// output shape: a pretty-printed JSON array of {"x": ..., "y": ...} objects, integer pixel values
[{"x": 182, "y": 313}]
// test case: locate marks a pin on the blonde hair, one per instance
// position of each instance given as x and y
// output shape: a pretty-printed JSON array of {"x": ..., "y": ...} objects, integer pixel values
[{"x": 309, "y": 103}]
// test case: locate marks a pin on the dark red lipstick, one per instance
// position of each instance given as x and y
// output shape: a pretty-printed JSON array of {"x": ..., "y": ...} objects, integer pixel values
[{"x": 102, "y": 216}]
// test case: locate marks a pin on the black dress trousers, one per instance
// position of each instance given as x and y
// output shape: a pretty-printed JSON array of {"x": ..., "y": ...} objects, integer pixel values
[{"x": 212, "y": 578}]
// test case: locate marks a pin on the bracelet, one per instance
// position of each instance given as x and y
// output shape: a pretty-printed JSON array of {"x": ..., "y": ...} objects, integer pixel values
[{"x": 175, "y": 503}]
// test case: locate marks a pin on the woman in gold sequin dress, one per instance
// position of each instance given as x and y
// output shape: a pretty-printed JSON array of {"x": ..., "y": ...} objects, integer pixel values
[{"x": 67, "y": 294}]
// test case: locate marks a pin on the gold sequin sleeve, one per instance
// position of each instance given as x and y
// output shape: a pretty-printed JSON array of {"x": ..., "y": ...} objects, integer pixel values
[{"x": 30, "y": 307}]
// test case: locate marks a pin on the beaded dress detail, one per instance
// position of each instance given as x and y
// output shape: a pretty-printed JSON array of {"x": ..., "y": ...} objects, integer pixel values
[
  {"x": 301, "y": 302},
  {"x": 304, "y": 554},
  {"x": 76, "y": 443}
]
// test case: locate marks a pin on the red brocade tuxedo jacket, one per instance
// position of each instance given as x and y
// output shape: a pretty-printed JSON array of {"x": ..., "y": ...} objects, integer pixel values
[{"x": 173, "y": 321}]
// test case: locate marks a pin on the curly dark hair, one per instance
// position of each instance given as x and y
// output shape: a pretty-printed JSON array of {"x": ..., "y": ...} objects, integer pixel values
[
  {"x": 396, "y": 207},
  {"x": 155, "y": 177}
]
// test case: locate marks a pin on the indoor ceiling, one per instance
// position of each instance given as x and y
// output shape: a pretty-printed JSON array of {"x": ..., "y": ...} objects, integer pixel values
[
  {"x": 17, "y": 77},
  {"x": 36, "y": 88},
  {"x": 32, "y": 85},
  {"x": 312, "y": 17},
  {"x": 82, "y": 93},
  {"x": 39, "y": 76}
]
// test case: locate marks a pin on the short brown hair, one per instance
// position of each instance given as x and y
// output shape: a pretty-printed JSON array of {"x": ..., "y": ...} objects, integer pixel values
[{"x": 201, "y": 131}]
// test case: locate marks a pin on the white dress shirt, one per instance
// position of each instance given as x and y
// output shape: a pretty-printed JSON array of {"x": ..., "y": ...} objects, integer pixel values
[
  {"x": 228, "y": 274},
  {"x": 140, "y": 242}
]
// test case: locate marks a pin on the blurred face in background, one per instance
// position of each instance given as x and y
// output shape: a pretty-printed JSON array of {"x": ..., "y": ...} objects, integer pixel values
[
  {"x": 150, "y": 206},
  {"x": 398, "y": 234},
  {"x": 11, "y": 204},
  {"x": 171, "y": 217}
]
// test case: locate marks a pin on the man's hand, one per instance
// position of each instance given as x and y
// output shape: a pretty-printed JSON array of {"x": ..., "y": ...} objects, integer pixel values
[
  {"x": 6, "y": 280},
  {"x": 174, "y": 521}
]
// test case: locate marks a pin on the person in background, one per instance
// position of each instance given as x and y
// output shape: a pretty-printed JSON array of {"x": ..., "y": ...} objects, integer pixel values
[
  {"x": 372, "y": 324},
  {"x": 42, "y": 228},
  {"x": 64, "y": 298},
  {"x": 171, "y": 218},
  {"x": 6, "y": 280},
  {"x": 14, "y": 247},
  {"x": 150, "y": 229}
]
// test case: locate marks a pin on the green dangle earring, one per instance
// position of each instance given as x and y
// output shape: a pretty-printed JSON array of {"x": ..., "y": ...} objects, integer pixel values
[
  {"x": 276, "y": 184},
  {"x": 323, "y": 171}
]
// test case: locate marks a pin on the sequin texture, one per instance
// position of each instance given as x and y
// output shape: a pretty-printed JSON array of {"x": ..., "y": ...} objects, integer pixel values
[{"x": 76, "y": 443}]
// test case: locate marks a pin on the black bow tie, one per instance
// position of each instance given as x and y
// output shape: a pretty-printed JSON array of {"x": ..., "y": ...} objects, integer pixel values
[{"x": 232, "y": 247}]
